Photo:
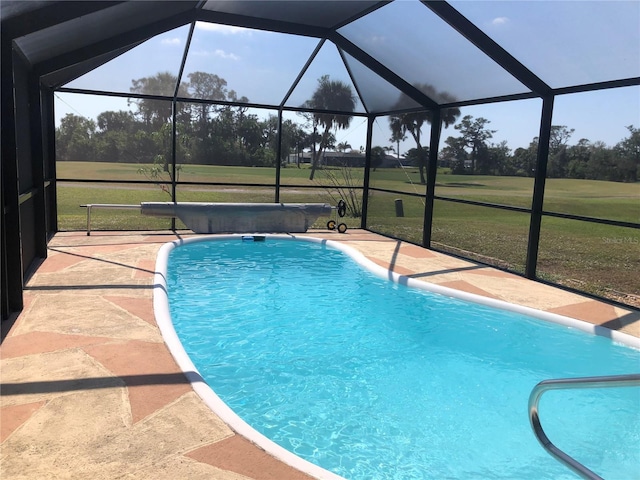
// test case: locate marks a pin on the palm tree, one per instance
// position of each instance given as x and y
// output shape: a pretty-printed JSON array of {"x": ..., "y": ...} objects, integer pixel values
[
  {"x": 331, "y": 96},
  {"x": 398, "y": 133},
  {"x": 343, "y": 146},
  {"x": 412, "y": 122}
]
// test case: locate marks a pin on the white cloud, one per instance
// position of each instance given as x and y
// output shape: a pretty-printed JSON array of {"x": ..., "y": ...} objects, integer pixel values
[
  {"x": 171, "y": 41},
  {"x": 224, "y": 29},
  {"x": 499, "y": 21},
  {"x": 222, "y": 54},
  {"x": 216, "y": 53}
]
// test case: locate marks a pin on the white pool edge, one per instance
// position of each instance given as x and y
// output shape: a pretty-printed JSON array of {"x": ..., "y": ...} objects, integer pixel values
[
  {"x": 615, "y": 336},
  {"x": 228, "y": 416},
  {"x": 206, "y": 393}
]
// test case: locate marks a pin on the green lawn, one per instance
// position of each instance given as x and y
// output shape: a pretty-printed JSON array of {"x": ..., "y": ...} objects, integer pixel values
[
  {"x": 72, "y": 216},
  {"x": 596, "y": 258}
]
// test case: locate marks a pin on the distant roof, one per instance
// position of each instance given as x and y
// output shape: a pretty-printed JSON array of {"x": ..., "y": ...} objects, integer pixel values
[{"x": 399, "y": 55}]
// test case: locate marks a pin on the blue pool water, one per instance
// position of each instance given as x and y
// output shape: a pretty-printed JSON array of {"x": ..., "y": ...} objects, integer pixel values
[{"x": 374, "y": 380}]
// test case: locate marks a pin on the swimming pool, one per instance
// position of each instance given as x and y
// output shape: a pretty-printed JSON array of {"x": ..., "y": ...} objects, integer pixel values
[{"x": 382, "y": 389}]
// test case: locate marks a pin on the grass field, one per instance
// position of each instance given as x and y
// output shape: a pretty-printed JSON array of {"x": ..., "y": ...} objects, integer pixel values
[{"x": 595, "y": 258}]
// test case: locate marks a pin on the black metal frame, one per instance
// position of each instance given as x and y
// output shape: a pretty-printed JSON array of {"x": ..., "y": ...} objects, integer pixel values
[{"x": 12, "y": 272}]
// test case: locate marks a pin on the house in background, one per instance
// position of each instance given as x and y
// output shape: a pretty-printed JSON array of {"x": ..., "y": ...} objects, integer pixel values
[{"x": 354, "y": 158}]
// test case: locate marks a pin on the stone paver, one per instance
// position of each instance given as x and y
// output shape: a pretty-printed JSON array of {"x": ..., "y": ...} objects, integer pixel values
[{"x": 89, "y": 390}]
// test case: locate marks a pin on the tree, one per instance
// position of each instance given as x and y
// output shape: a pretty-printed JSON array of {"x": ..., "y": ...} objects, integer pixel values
[
  {"x": 558, "y": 155},
  {"x": 602, "y": 163},
  {"x": 475, "y": 136},
  {"x": 524, "y": 159},
  {"x": 114, "y": 135},
  {"x": 221, "y": 134},
  {"x": 378, "y": 155},
  {"x": 120, "y": 121},
  {"x": 156, "y": 112},
  {"x": 206, "y": 86},
  {"x": 249, "y": 134},
  {"x": 578, "y": 160},
  {"x": 414, "y": 156},
  {"x": 559, "y": 137},
  {"x": 343, "y": 146},
  {"x": 74, "y": 138},
  {"x": 454, "y": 155},
  {"x": 412, "y": 122},
  {"x": 500, "y": 159},
  {"x": 398, "y": 133},
  {"x": 292, "y": 140},
  {"x": 628, "y": 153},
  {"x": 330, "y": 96}
]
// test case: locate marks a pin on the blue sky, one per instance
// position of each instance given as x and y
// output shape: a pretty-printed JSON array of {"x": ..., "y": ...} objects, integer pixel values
[{"x": 564, "y": 42}]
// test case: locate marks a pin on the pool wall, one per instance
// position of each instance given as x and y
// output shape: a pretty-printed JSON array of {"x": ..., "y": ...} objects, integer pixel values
[{"x": 164, "y": 321}]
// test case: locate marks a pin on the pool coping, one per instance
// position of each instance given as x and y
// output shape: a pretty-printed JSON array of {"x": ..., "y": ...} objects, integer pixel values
[
  {"x": 220, "y": 408},
  {"x": 204, "y": 391}
]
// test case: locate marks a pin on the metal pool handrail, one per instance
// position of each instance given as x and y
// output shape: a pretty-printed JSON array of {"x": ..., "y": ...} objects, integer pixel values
[
  {"x": 90, "y": 206},
  {"x": 565, "y": 384}
]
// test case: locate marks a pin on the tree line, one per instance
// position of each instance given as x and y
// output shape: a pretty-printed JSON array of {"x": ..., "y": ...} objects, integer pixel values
[
  {"x": 227, "y": 134},
  {"x": 471, "y": 153},
  {"x": 206, "y": 133}
]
